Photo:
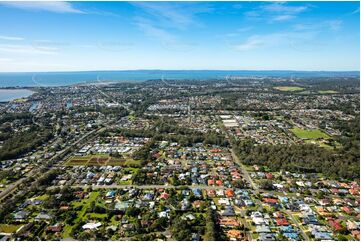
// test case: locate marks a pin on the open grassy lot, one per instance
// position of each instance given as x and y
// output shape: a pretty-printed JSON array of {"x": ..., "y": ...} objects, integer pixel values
[
  {"x": 289, "y": 88},
  {"x": 132, "y": 163},
  {"x": 116, "y": 161},
  {"x": 78, "y": 161},
  {"x": 98, "y": 160},
  {"x": 327, "y": 92},
  {"x": 9, "y": 228},
  {"x": 309, "y": 133},
  {"x": 335, "y": 144}
]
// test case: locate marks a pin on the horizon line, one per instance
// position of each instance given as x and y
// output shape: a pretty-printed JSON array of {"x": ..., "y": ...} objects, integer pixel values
[{"x": 123, "y": 70}]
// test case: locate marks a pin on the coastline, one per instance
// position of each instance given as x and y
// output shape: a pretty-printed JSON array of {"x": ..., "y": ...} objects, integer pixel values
[
  {"x": 11, "y": 94},
  {"x": 57, "y": 79}
]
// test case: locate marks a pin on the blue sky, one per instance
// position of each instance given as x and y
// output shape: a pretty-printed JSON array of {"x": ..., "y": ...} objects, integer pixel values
[{"x": 70, "y": 36}]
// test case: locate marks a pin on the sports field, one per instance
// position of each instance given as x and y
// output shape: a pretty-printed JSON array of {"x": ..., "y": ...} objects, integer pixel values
[
  {"x": 289, "y": 88},
  {"x": 309, "y": 133}
]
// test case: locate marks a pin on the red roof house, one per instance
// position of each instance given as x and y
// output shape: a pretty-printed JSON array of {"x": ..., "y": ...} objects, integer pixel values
[
  {"x": 282, "y": 222},
  {"x": 229, "y": 193}
]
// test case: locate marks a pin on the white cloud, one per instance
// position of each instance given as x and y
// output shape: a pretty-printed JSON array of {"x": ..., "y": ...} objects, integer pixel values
[
  {"x": 277, "y": 11},
  {"x": 283, "y": 39},
  {"x": 151, "y": 30},
  {"x": 281, "y": 7},
  {"x": 3, "y": 37},
  {"x": 250, "y": 44},
  {"x": 167, "y": 39},
  {"x": 245, "y": 29},
  {"x": 356, "y": 11},
  {"x": 239, "y": 31},
  {"x": 334, "y": 24},
  {"x": 252, "y": 14},
  {"x": 237, "y": 6},
  {"x": 56, "y": 7},
  {"x": 173, "y": 14},
  {"x": 283, "y": 17},
  {"x": 27, "y": 49}
]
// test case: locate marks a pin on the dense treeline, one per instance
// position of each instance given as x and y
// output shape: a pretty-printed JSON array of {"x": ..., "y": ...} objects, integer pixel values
[
  {"x": 212, "y": 230},
  {"x": 9, "y": 117},
  {"x": 308, "y": 158},
  {"x": 340, "y": 84},
  {"x": 6, "y": 130},
  {"x": 144, "y": 153},
  {"x": 24, "y": 142}
]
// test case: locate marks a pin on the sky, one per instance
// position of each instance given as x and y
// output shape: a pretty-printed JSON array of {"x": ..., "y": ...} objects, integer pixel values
[{"x": 76, "y": 36}]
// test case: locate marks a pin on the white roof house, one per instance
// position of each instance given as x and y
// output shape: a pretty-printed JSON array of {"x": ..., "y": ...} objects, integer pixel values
[{"x": 91, "y": 225}]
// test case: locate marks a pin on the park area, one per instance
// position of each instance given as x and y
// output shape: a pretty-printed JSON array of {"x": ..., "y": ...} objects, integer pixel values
[
  {"x": 309, "y": 133},
  {"x": 289, "y": 88}
]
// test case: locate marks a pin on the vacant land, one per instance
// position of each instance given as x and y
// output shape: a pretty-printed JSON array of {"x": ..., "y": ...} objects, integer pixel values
[
  {"x": 78, "y": 161},
  {"x": 289, "y": 88},
  {"x": 102, "y": 160},
  {"x": 309, "y": 133}
]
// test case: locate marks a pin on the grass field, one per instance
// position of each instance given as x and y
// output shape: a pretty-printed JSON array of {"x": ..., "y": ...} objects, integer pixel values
[
  {"x": 131, "y": 162},
  {"x": 327, "y": 92},
  {"x": 77, "y": 161},
  {"x": 309, "y": 133},
  {"x": 9, "y": 228},
  {"x": 289, "y": 88}
]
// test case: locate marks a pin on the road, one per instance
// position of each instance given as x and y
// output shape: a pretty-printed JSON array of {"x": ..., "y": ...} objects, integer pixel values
[
  {"x": 244, "y": 171},
  {"x": 305, "y": 236},
  {"x": 237, "y": 160}
]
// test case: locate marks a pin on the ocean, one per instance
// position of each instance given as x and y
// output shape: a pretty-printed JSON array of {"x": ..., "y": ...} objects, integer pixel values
[{"x": 46, "y": 79}]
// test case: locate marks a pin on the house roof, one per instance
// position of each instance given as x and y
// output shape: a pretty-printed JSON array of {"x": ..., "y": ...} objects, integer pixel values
[
  {"x": 270, "y": 200},
  {"x": 282, "y": 221},
  {"x": 335, "y": 224},
  {"x": 91, "y": 225},
  {"x": 229, "y": 193}
]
